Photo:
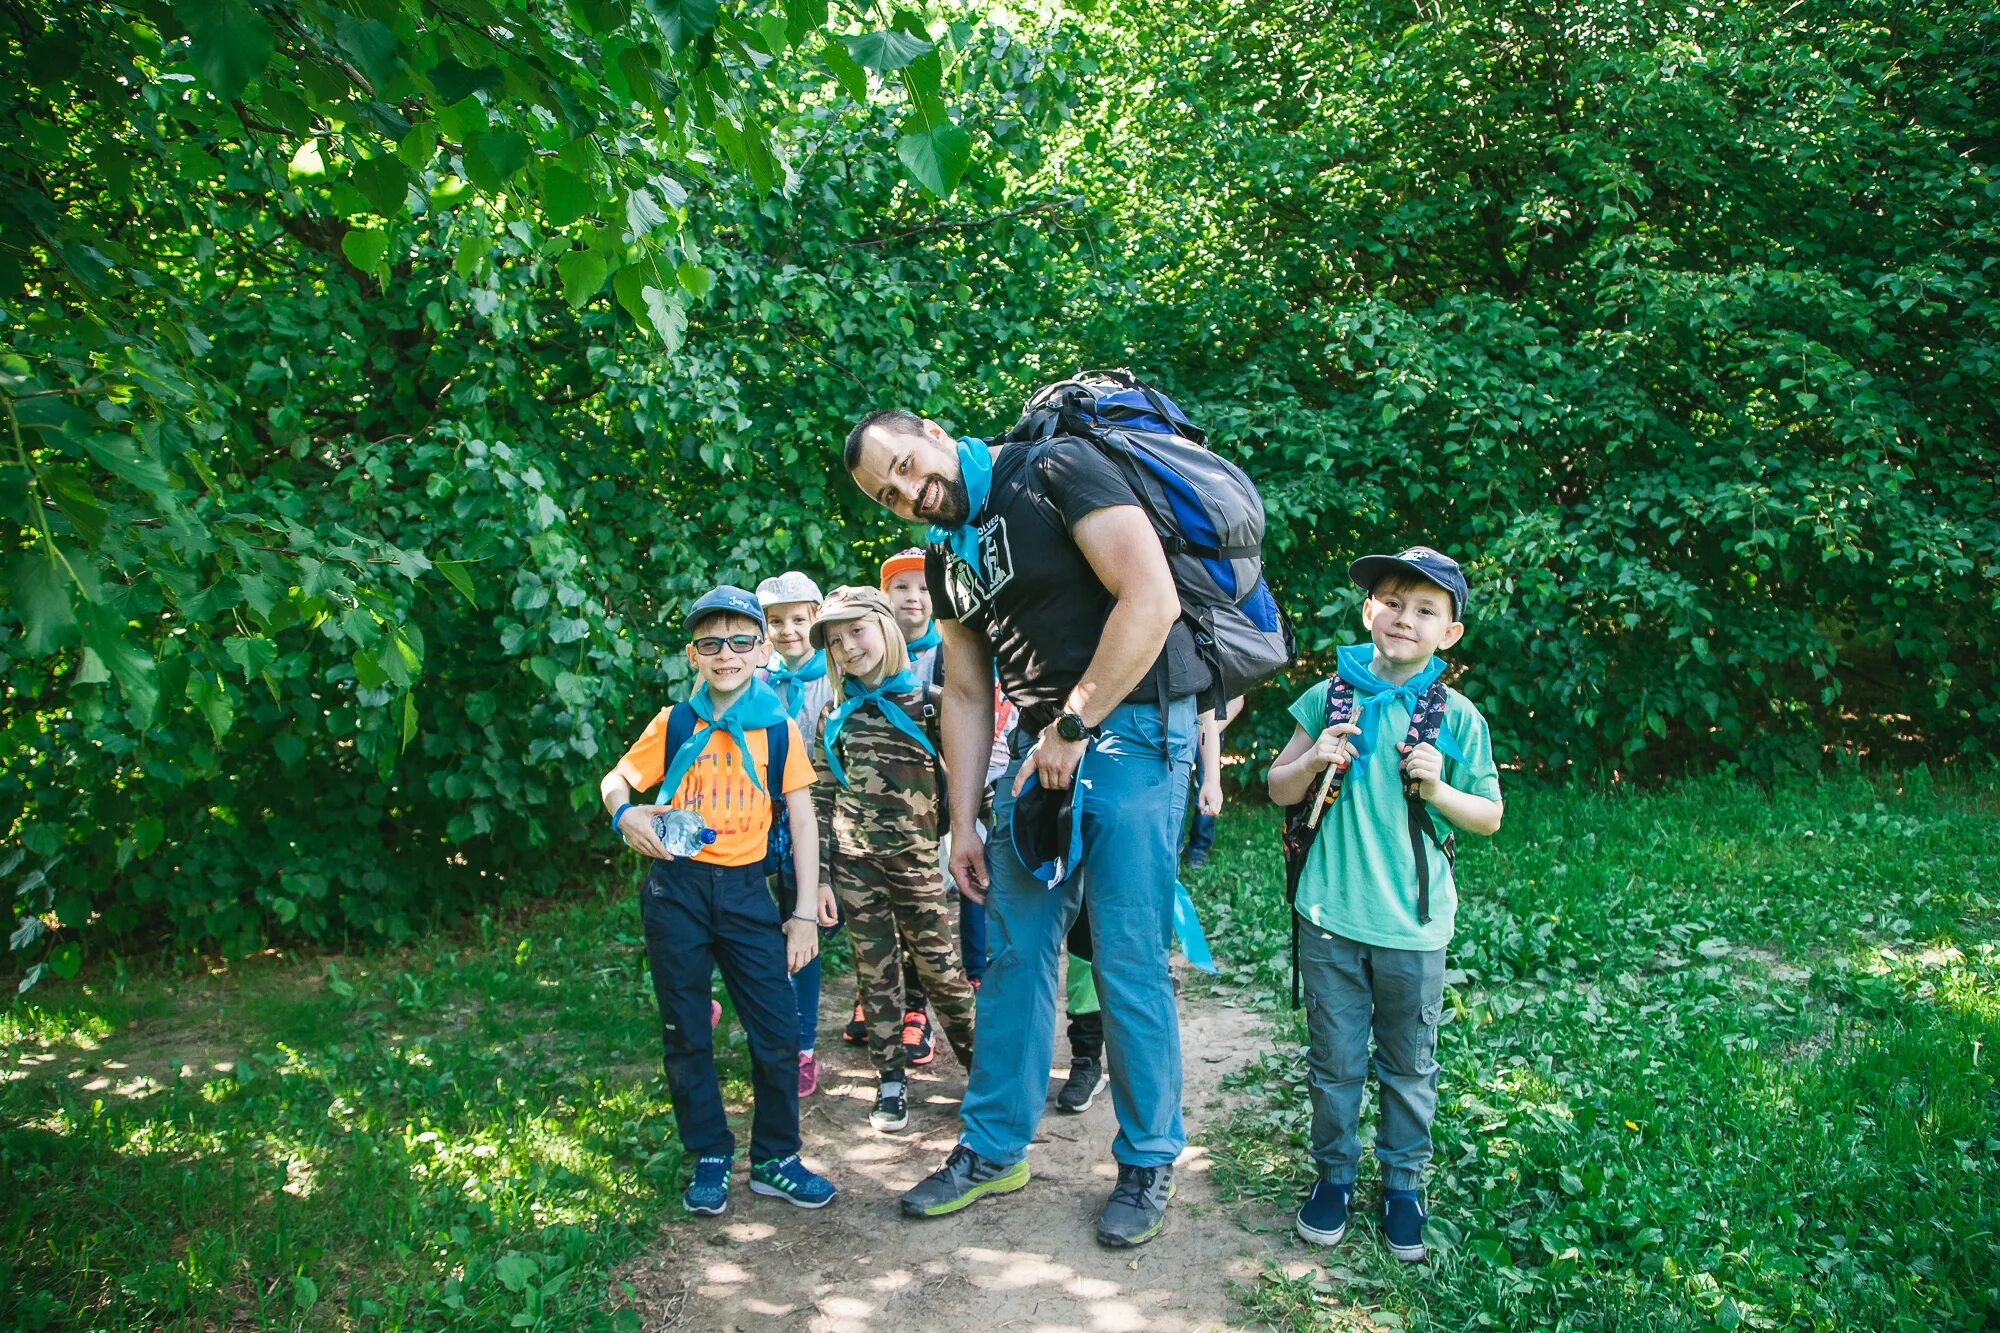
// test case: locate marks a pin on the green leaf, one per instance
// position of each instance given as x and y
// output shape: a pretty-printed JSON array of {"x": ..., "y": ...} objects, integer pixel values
[
  {"x": 66, "y": 959},
  {"x": 852, "y": 78},
  {"x": 773, "y": 29},
  {"x": 682, "y": 21},
  {"x": 364, "y": 247},
  {"x": 120, "y": 456},
  {"x": 305, "y": 1292},
  {"x": 666, "y": 315},
  {"x": 371, "y": 43},
  {"x": 582, "y": 273},
  {"x": 409, "y": 719},
  {"x": 936, "y": 158},
  {"x": 491, "y": 158},
  {"x": 385, "y": 184},
  {"x": 368, "y": 674},
  {"x": 419, "y": 145},
  {"x": 514, "y": 1271},
  {"x": 254, "y": 653},
  {"x": 643, "y": 214},
  {"x": 566, "y": 196},
  {"x": 73, "y": 908},
  {"x": 213, "y": 700},
  {"x": 884, "y": 52},
  {"x": 456, "y": 81},
  {"x": 147, "y": 833},
  {"x": 802, "y": 17},
  {"x": 454, "y": 572},
  {"x": 230, "y": 43},
  {"x": 41, "y": 594},
  {"x": 104, "y": 636},
  {"x": 695, "y": 280}
]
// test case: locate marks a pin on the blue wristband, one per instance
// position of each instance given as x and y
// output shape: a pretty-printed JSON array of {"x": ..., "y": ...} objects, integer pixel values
[{"x": 619, "y": 814}]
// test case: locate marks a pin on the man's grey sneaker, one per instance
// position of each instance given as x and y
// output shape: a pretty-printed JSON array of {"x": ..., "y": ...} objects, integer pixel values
[
  {"x": 789, "y": 1179},
  {"x": 1403, "y": 1219},
  {"x": 1137, "y": 1208},
  {"x": 965, "y": 1178},
  {"x": 708, "y": 1192},
  {"x": 1086, "y": 1079},
  {"x": 1322, "y": 1218},
  {"x": 892, "y": 1108}
]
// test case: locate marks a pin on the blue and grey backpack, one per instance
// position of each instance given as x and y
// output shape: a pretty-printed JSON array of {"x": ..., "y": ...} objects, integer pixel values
[{"x": 1205, "y": 508}]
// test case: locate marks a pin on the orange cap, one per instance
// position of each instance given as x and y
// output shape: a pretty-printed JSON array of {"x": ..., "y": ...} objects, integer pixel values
[{"x": 903, "y": 562}]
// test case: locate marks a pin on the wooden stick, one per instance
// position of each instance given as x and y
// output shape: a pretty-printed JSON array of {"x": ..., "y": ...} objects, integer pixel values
[{"x": 1319, "y": 797}]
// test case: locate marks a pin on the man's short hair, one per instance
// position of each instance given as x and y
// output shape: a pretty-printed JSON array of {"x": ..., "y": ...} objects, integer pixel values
[{"x": 895, "y": 418}]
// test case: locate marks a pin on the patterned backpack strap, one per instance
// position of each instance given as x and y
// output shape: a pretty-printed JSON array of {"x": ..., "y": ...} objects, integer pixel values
[
  {"x": 1301, "y": 825},
  {"x": 1426, "y": 723}
]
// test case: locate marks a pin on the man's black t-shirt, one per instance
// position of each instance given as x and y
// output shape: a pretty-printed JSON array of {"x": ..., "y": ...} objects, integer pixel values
[{"x": 1039, "y": 603}]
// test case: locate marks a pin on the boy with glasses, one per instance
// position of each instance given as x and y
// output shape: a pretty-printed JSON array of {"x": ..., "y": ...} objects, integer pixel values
[{"x": 732, "y": 756}]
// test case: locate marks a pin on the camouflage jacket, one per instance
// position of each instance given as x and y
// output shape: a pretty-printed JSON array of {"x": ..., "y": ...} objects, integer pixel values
[{"x": 890, "y": 805}]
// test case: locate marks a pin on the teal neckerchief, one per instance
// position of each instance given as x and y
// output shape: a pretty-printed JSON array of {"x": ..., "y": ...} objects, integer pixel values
[
  {"x": 756, "y": 708},
  {"x": 860, "y": 696},
  {"x": 975, "y": 469},
  {"x": 930, "y": 638},
  {"x": 1371, "y": 693},
  {"x": 790, "y": 682}
]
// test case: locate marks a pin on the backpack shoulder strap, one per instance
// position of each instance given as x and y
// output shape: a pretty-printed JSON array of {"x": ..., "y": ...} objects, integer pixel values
[
  {"x": 1426, "y": 722},
  {"x": 1297, "y": 835},
  {"x": 777, "y": 751},
  {"x": 681, "y": 723}
]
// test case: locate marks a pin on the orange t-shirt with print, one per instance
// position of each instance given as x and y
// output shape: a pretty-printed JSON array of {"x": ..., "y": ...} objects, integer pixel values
[{"x": 717, "y": 788}]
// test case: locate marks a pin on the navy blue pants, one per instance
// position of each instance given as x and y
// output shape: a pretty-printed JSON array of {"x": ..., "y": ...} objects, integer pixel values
[{"x": 700, "y": 918}]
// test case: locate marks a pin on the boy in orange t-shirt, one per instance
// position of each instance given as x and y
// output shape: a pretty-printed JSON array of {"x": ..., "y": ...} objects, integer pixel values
[{"x": 713, "y": 910}]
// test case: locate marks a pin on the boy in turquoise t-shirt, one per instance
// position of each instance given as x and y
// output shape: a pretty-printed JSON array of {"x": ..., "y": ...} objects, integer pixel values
[{"x": 1371, "y": 943}]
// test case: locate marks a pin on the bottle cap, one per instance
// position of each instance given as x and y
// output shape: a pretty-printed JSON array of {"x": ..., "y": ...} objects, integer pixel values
[{"x": 707, "y": 836}]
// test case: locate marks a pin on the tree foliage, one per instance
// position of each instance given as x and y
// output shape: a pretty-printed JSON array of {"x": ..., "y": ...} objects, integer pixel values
[{"x": 381, "y": 377}]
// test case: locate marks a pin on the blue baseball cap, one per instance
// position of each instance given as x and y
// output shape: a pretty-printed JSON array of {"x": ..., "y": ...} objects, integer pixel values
[
  {"x": 727, "y": 598},
  {"x": 1433, "y": 566}
]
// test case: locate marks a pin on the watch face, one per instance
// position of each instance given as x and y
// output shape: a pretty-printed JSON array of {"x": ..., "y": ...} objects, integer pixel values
[{"x": 1069, "y": 727}]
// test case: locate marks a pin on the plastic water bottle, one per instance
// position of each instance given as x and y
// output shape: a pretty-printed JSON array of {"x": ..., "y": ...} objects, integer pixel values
[{"x": 682, "y": 832}]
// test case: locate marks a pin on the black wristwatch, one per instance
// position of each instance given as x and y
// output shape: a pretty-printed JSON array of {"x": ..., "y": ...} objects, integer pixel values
[{"x": 1070, "y": 727}]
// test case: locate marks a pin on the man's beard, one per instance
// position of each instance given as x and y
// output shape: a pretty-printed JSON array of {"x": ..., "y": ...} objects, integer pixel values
[{"x": 954, "y": 506}]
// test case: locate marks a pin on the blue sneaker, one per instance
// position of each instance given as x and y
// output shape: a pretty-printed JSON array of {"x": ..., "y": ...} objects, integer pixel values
[
  {"x": 789, "y": 1179},
  {"x": 708, "y": 1192},
  {"x": 1322, "y": 1218},
  {"x": 1403, "y": 1219}
]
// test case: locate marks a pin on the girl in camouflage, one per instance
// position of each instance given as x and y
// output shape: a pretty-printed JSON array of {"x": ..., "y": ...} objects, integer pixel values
[{"x": 877, "y": 796}]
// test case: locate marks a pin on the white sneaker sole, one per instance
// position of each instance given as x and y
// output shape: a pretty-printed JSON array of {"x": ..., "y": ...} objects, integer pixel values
[
  {"x": 1409, "y": 1254},
  {"x": 1103, "y": 1082},
  {"x": 884, "y": 1125},
  {"x": 773, "y": 1192},
  {"x": 1314, "y": 1236}
]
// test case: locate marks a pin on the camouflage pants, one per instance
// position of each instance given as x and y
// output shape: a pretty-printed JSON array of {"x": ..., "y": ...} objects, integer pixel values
[{"x": 893, "y": 901}]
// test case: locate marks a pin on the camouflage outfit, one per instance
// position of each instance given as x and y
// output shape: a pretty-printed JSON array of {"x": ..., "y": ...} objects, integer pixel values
[{"x": 879, "y": 847}]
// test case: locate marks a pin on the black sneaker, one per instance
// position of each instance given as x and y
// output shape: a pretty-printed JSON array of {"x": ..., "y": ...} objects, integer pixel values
[
  {"x": 1197, "y": 858},
  {"x": 892, "y": 1108},
  {"x": 1137, "y": 1209},
  {"x": 856, "y": 1031},
  {"x": 1086, "y": 1079},
  {"x": 964, "y": 1179}
]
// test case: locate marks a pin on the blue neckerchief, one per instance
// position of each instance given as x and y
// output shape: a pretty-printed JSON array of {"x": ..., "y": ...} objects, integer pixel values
[
  {"x": 975, "y": 469},
  {"x": 790, "y": 682},
  {"x": 860, "y": 696},
  {"x": 1371, "y": 693},
  {"x": 756, "y": 708},
  {"x": 930, "y": 638}
]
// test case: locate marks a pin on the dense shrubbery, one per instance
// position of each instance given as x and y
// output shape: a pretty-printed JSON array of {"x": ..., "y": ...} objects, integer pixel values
[{"x": 357, "y": 466}]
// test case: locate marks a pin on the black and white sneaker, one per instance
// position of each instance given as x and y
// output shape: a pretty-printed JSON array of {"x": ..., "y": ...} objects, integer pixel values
[
  {"x": 892, "y": 1108},
  {"x": 1086, "y": 1079}
]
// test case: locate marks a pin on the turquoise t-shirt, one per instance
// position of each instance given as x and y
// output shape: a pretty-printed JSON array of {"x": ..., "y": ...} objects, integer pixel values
[{"x": 1360, "y": 879}]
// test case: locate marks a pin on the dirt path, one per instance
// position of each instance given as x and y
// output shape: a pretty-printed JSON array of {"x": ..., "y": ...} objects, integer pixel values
[{"x": 1028, "y": 1261}]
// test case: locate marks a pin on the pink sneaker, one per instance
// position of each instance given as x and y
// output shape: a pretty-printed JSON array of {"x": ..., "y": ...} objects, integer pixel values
[
  {"x": 808, "y": 1074},
  {"x": 714, "y": 1014}
]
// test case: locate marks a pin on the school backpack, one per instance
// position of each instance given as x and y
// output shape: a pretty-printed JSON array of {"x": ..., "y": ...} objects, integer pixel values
[
  {"x": 1205, "y": 508},
  {"x": 681, "y": 722},
  {"x": 1301, "y": 824}
]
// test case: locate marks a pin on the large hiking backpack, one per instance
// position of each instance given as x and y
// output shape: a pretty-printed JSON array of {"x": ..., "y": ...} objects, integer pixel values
[
  {"x": 1206, "y": 510},
  {"x": 1300, "y": 826},
  {"x": 681, "y": 722}
]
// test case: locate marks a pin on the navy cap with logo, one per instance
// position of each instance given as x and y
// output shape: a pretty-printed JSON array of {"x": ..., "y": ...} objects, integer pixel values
[
  {"x": 726, "y": 598},
  {"x": 1431, "y": 565}
]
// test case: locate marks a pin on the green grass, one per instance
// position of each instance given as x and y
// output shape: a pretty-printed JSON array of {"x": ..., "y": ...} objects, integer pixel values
[
  {"x": 1639, "y": 1128},
  {"x": 467, "y": 1135},
  {"x": 1718, "y": 1057}
]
